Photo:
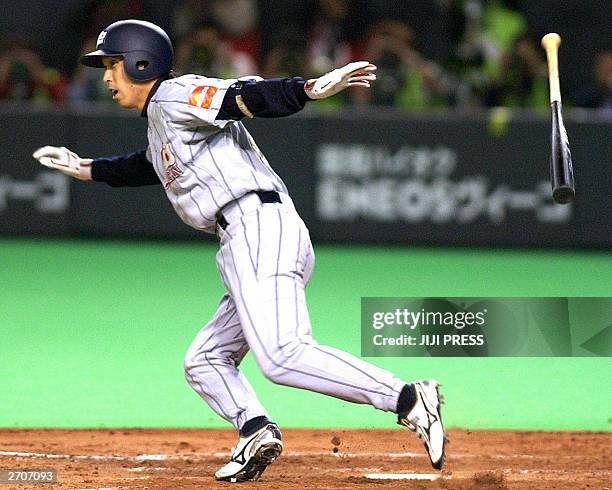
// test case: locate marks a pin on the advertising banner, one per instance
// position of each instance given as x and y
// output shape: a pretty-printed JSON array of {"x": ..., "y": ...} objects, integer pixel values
[{"x": 456, "y": 181}]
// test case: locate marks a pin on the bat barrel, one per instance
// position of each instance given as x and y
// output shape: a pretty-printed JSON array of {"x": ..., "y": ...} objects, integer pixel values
[
  {"x": 564, "y": 194},
  {"x": 561, "y": 171}
]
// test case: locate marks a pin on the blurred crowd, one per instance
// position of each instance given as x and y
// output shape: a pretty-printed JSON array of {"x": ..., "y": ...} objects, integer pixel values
[{"x": 466, "y": 54}]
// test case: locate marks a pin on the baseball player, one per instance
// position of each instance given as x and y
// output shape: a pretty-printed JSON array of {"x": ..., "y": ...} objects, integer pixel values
[{"x": 219, "y": 182}]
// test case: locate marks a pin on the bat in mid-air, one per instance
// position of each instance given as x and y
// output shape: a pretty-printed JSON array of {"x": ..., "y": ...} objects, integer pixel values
[{"x": 561, "y": 171}]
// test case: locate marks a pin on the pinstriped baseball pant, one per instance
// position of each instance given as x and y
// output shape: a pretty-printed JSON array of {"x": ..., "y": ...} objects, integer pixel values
[{"x": 265, "y": 261}]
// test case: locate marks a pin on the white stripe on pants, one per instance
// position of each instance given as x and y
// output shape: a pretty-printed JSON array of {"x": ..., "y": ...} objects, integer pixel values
[{"x": 265, "y": 262}]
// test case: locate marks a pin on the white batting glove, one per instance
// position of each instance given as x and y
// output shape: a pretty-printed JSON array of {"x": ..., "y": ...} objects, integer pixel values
[
  {"x": 64, "y": 160},
  {"x": 356, "y": 74}
]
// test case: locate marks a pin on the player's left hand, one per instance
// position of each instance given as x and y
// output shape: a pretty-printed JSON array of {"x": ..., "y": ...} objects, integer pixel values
[
  {"x": 66, "y": 161},
  {"x": 356, "y": 74}
]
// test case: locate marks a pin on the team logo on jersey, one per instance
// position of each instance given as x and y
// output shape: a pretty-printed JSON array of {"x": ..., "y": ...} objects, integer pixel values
[
  {"x": 170, "y": 166},
  {"x": 202, "y": 96}
]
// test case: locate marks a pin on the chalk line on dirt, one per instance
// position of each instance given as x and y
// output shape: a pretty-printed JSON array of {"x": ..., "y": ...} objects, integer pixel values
[{"x": 224, "y": 455}]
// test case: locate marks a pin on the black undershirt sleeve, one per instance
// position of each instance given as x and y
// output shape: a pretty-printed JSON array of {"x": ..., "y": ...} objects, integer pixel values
[
  {"x": 275, "y": 97},
  {"x": 131, "y": 170}
]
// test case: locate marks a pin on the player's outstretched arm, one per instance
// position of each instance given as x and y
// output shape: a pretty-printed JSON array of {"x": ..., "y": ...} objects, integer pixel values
[
  {"x": 62, "y": 159},
  {"x": 356, "y": 74},
  {"x": 279, "y": 97},
  {"x": 133, "y": 170}
]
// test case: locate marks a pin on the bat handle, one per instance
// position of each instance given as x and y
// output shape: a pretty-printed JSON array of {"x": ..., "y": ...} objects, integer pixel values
[{"x": 551, "y": 43}]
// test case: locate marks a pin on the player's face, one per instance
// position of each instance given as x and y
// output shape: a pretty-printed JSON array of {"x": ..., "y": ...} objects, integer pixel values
[{"x": 126, "y": 92}]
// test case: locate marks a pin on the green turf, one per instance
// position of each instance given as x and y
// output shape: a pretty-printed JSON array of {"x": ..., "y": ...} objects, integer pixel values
[{"x": 94, "y": 332}]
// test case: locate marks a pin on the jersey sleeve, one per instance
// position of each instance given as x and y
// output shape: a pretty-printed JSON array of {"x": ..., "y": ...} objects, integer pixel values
[
  {"x": 133, "y": 170},
  {"x": 193, "y": 101}
]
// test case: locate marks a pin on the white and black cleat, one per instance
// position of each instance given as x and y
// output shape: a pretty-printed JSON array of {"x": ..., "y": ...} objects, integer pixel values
[
  {"x": 252, "y": 455},
  {"x": 426, "y": 420}
]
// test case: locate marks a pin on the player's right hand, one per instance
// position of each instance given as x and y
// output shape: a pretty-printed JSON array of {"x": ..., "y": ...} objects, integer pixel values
[{"x": 62, "y": 159}]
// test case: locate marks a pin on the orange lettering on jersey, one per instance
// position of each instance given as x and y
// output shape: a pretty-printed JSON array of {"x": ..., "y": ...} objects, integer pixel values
[
  {"x": 202, "y": 96},
  {"x": 195, "y": 96}
]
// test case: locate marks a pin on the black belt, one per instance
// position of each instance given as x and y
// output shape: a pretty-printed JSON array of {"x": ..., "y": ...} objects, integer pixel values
[{"x": 264, "y": 197}]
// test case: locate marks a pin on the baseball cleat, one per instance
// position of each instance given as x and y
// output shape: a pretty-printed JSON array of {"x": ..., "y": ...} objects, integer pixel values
[
  {"x": 252, "y": 455},
  {"x": 426, "y": 420}
]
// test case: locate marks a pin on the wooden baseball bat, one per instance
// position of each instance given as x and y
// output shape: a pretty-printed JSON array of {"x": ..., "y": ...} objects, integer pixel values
[{"x": 561, "y": 171}]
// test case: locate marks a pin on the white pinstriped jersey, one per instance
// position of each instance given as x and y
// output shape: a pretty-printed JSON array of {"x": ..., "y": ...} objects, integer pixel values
[{"x": 203, "y": 163}]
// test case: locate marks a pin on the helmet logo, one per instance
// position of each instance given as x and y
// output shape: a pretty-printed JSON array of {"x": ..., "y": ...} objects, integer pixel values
[{"x": 101, "y": 38}]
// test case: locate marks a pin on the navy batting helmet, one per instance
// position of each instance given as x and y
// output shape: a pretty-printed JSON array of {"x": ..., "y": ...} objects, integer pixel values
[{"x": 146, "y": 49}]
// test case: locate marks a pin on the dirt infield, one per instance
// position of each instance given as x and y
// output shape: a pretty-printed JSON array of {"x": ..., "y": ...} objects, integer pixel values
[{"x": 315, "y": 459}]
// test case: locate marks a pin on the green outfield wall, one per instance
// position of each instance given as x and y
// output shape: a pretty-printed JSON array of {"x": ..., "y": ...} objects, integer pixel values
[{"x": 93, "y": 335}]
